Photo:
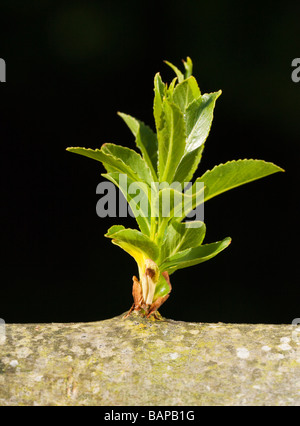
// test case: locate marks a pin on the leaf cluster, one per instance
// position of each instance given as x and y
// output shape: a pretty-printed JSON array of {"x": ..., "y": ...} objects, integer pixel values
[{"x": 183, "y": 118}]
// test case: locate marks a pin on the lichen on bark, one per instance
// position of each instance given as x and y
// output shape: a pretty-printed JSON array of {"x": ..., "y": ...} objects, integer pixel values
[{"x": 139, "y": 361}]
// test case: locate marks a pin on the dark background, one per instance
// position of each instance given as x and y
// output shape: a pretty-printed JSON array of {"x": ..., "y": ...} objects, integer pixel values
[{"x": 70, "y": 67}]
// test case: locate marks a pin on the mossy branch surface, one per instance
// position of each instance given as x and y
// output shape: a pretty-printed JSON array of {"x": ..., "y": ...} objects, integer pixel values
[{"x": 139, "y": 361}]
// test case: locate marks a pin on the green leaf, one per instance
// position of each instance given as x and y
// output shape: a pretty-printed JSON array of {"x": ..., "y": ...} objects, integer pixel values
[
  {"x": 199, "y": 116},
  {"x": 143, "y": 209},
  {"x": 226, "y": 176},
  {"x": 171, "y": 141},
  {"x": 110, "y": 162},
  {"x": 188, "y": 165},
  {"x": 179, "y": 74},
  {"x": 145, "y": 140},
  {"x": 170, "y": 89},
  {"x": 159, "y": 93},
  {"x": 188, "y": 65},
  {"x": 138, "y": 245},
  {"x": 113, "y": 229},
  {"x": 118, "y": 158},
  {"x": 185, "y": 93},
  {"x": 162, "y": 288},
  {"x": 194, "y": 256},
  {"x": 182, "y": 236},
  {"x": 173, "y": 203},
  {"x": 131, "y": 158}
]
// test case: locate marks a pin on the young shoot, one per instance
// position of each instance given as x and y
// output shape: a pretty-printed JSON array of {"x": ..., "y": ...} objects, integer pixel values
[{"x": 161, "y": 174}]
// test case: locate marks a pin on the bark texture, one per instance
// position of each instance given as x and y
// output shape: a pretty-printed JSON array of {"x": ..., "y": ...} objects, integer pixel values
[{"x": 136, "y": 361}]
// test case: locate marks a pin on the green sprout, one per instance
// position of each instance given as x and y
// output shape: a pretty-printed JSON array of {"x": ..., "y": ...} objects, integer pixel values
[{"x": 166, "y": 241}]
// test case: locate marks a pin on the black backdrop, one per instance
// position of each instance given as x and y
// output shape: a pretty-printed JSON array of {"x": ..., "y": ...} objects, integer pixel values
[{"x": 70, "y": 67}]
